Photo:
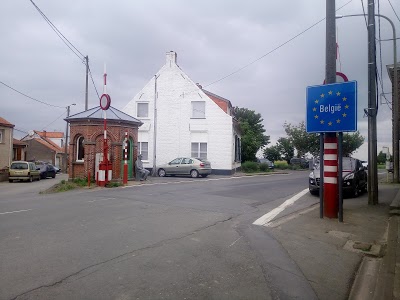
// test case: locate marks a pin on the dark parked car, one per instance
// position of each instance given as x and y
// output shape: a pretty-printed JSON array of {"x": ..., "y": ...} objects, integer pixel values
[
  {"x": 267, "y": 162},
  {"x": 302, "y": 162},
  {"x": 46, "y": 170},
  {"x": 354, "y": 177}
]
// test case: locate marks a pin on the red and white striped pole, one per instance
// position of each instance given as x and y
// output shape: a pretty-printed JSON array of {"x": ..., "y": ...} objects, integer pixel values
[
  {"x": 125, "y": 176},
  {"x": 105, "y": 145},
  {"x": 331, "y": 203}
]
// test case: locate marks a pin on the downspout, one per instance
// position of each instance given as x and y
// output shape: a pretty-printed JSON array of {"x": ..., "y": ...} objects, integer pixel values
[{"x": 154, "y": 171}]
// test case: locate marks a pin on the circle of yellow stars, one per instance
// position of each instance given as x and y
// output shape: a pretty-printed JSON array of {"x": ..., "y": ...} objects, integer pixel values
[{"x": 330, "y": 93}]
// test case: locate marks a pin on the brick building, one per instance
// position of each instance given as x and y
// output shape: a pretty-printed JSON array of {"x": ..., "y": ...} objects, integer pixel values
[{"x": 86, "y": 142}]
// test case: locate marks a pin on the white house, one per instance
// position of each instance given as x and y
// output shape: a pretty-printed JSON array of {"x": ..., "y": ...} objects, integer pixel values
[{"x": 180, "y": 119}]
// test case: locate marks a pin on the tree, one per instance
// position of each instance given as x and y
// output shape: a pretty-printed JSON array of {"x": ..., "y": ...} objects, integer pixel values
[
  {"x": 381, "y": 159},
  {"x": 272, "y": 153},
  {"x": 252, "y": 130},
  {"x": 309, "y": 142},
  {"x": 351, "y": 142},
  {"x": 286, "y": 148},
  {"x": 302, "y": 141}
]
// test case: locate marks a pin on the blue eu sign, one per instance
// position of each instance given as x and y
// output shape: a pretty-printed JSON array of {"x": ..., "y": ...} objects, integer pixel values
[{"x": 332, "y": 107}]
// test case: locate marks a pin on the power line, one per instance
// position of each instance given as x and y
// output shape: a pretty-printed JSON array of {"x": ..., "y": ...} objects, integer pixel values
[
  {"x": 394, "y": 10},
  {"x": 58, "y": 32},
  {"x": 273, "y": 50},
  {"x": 365, "y": 16},
  {"x": 30, "y": 96},
  {"x": 54, "y": 120},
  {"x": 90, "y": 73}
]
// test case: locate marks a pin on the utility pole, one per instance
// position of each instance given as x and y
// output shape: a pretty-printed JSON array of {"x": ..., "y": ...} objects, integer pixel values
[
  {"x": 372, "y": 110},
  {"x": 66, "y": 143},
  {"x": 87, "y": 80},
  {"x": 330, "y": 162}
]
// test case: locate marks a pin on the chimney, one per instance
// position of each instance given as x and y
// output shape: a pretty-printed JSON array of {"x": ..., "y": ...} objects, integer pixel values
[
  {"x": 44, "y": 133},
  {"x": 199, "y": 86},
  {"x": 171, "y": 58}
]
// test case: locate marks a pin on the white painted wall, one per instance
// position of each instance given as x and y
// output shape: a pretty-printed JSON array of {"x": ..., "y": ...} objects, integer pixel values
[{"x": 175, "y": 128}]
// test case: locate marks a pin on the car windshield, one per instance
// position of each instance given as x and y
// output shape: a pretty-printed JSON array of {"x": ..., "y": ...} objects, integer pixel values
[{"x": 348, "y": 164}]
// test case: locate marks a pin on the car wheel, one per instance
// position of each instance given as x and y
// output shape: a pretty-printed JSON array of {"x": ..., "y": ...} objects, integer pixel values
[
  {"x": 38, "y": 179},
  {"x": 161, "y": 173},
  {"x": 10, "y": 180},
  {"x": 194, "y": 173},
  {"x": 54, "y": 175},
  {"x": 314, "y": 192},
  {"x": 204, "y": 175},
  {"x": 31, "y": 179}
]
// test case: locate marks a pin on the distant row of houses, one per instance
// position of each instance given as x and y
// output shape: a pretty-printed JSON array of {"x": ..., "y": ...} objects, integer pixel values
[
  {"x": 36, "y": 146},
  {"x": 172, "y": 116}
]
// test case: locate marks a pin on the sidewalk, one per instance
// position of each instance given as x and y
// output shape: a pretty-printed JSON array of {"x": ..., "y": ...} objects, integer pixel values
[{"x": 356, "y": 259}]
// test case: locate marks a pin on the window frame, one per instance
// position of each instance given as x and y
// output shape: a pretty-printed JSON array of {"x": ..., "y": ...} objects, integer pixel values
[
  {"x": 194, "y": 114},
  {"x": 140, "y": 148},
  {"x": 80, "y": 148},
  {"x": 2, "y": 133},
  {"x": 199, "y": 153},
  {"x": 147, "y": 111}
]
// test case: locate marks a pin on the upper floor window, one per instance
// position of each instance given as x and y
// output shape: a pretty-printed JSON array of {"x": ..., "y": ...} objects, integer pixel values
[
  {"x": 144, "y": 150},
  {"x": 198, "y": 109},
  {"x": 1, "y": 135},
  {"x": 199, "y": 150},
  {"x": 80, "y": 150},
  {"x": 142, "y": 110}
]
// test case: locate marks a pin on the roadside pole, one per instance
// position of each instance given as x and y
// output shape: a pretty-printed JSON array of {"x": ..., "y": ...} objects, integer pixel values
[
  {"x": 330, "y": 160},
  {"x": 372, "y": 110}
]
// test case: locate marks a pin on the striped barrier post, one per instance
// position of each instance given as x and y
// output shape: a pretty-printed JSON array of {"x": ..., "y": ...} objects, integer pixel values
[{"x": 331, "y": 203}]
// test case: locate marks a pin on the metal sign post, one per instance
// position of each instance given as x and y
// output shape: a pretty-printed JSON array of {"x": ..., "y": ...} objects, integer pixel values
[
  {"x": 105, "y": 170},
  {"x": 331, "y": 108}
]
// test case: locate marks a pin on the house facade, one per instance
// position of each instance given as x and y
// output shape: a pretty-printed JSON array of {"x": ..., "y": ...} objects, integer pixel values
[
  {"x": 42, "y": 149},
  {"x": 182, "y": 119},
  {"x": 6, "y": 143}
]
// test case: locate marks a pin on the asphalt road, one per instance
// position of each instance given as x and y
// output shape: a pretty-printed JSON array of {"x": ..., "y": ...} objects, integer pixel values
[{"x": 176, "y": 238}]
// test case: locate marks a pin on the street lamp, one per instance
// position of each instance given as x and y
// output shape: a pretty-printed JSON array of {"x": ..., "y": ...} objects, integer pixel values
[
  {"x": 395, "y": 103},
  {"x": 66, "y": 142}
]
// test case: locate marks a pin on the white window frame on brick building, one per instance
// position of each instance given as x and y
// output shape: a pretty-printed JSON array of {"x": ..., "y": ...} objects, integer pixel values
[
  {"x": 198, "y": 109},
  {"x": 143, "y": 148},
  {"x": 80, "y": 150},
  {"x": 199, "y": 150},
  {"x": 1, "y": 136},
  {"x": 142, "y": 110}
]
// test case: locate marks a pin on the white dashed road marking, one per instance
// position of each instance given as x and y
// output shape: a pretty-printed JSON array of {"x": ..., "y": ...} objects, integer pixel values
[
  {"x": 15, "y": 211},
  {"x": 276, "y": 211}
]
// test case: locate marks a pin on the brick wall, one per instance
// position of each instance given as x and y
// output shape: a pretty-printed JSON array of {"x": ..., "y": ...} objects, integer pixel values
[{"x": 93, "y": 133}]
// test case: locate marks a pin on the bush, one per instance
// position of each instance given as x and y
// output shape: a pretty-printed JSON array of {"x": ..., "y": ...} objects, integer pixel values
[
  {"x": 112, "y": 184},
  {"x": 249, "y": 166},
  {"x": 281, "y": 164},
  {"x": 264, "y": 167}
]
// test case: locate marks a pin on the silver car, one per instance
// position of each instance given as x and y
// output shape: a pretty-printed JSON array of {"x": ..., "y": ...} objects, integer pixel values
[{"x": 194, "y": 167}]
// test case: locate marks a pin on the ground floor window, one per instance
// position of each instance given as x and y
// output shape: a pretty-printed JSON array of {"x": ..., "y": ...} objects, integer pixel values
[
  {"x": 199, "y": 150},
  {"x": 144, "y": 150},
  {"x": 80, "y": 150}
]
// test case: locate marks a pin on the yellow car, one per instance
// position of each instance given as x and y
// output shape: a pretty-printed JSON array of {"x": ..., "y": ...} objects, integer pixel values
[{"x": 23, "y": 170}]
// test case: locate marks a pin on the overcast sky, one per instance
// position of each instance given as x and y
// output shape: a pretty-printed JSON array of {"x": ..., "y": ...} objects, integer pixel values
[{"x": 212, "y": 39}]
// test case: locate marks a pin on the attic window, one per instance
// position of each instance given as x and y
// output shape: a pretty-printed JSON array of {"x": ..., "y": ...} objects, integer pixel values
[
  {"x": 198, "y": 109},
  {"x": 143, "y": 110}
]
